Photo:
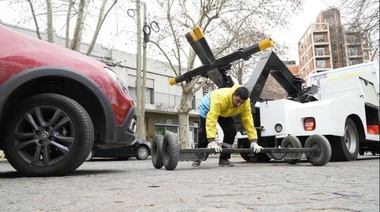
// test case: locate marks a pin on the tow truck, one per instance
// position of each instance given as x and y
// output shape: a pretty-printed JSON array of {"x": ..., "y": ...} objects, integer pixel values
[{"x": 316, "y": 147}]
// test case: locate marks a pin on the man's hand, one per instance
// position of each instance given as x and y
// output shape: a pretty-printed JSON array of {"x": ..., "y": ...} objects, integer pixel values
[
  {"x": 213, "y": 145},
  {"x": 256, "y": 148}
]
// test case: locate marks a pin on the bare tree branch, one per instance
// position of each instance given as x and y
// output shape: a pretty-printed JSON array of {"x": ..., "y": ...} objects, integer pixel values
[{"x": 35, "y": 19}]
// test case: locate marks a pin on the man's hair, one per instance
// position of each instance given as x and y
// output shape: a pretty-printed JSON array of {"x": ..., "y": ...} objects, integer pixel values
[{"x": 242, "y": 92}]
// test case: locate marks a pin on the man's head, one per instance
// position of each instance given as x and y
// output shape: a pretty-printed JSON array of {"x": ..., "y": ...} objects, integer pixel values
[{"x": 240, "y": 95}]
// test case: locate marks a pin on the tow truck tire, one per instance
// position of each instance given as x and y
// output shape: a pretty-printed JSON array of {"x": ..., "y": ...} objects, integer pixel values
[
  {"x": 323, "y": 155},
  {"x": 346, "y": 148},
  {"x": 291, "y": 141},
  {"x": 170, "y": 151},
  {"x": 251, "y": 157},
  {"x": 157, "y": 151}
]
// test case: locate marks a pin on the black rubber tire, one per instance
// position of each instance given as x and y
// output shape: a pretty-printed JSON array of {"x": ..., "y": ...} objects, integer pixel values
[
  {"x": 170, "y": 151},
  {"x": 261, "y": 157},
  {"x": 346, "y": 148},
  {"x": 291, "y": 141},
  {"x": 323, "y": 155},
  {"x": 142, "y": 153},
  {"x": 48, "y": 135},
  {"x": 157, "y": 151}
]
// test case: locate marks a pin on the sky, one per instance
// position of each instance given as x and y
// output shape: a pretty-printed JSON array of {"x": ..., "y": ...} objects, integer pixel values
[{"x": 298, "y": 24}]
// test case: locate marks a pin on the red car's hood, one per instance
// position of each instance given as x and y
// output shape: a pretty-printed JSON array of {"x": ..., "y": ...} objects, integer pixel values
[{"x": 27, "y": 52}]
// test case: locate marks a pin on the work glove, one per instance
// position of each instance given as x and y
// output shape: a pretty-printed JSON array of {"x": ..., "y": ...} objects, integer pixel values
[
  {"x": 256, "y": 148},
  {"x": 213, "y": 145}
]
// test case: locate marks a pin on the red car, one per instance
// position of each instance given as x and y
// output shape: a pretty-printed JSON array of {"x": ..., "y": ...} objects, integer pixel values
[{"x": 56, "y": 104}]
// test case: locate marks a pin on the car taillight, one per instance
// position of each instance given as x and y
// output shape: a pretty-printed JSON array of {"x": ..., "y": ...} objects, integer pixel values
[{"x": 309, "y": 124}]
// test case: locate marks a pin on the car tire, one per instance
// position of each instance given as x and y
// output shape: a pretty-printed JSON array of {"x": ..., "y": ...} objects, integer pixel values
[
  {"x": 48, "y": 135},
  {"x": 142, "y": 153}
]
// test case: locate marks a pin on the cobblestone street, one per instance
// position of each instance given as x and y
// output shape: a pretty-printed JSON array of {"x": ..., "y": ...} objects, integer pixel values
[{"x": 110, "y": 185}]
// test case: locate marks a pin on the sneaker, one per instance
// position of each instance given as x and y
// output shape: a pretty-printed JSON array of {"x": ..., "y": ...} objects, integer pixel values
[
  {"x": 196, "y": 163},
  {"x": 225, "y": 162}
]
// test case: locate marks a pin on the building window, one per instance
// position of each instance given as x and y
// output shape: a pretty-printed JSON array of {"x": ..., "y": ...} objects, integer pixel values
[
  {"x": 149, "y": 94},
  {"x": 319, "y": 38},
  {"x": 352, "y": 51},
  {"x": 321, "y": 63},
  {"x": 163, "y": 126},
  {"x": 350, "y": 38},
  {"x": 320, "y": 51},
  {"x": 354, "y": 62}
]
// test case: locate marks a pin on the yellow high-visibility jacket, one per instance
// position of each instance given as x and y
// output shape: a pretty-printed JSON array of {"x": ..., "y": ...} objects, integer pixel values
[{"x": 220, "y": 104}]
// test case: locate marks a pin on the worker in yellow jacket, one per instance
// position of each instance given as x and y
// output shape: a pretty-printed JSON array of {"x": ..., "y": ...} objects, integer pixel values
[{"x": 219, "y": 106}]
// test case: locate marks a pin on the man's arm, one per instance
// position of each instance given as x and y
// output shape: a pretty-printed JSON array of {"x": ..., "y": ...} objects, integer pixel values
[
  {"x": 212, "y": 118},
  {"x": 247, "y": 119}
]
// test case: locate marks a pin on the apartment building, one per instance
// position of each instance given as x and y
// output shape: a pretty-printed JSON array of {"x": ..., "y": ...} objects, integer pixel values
[
  {"x": 328, "y": 44},
  {"x": 161, "y": 99}
]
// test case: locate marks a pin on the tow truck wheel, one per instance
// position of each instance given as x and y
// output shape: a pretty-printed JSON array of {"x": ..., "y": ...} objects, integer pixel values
[
  {"x": 157, "y": 151},
  {"x": 292, "y": 142},
  {"x": 170, "y": 151},
  {"x": 250, "y": 157},
  {"x": 323, "y": 154},
  {"x": 346, "y": 148}
]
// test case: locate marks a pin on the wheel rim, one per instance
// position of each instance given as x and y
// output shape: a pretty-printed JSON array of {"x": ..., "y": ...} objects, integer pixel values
[
  {"x": 43, "y": 136},
  {"x": 350, "y": 139},
  {"x": 143, "y": 153}
]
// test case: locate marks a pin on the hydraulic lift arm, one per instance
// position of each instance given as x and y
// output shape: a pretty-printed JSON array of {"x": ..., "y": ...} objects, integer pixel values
[
  {"x": 269, "y": 63},
  {"x": 216, "y": 69}
]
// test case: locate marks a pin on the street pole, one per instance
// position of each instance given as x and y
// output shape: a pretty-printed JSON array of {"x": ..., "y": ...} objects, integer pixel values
[
  {"x": 143, "y": 131},
  {"x": 140, "y": 119}
]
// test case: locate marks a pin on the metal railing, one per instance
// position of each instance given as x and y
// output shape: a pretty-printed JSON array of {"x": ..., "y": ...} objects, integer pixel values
[{"x": 166, "y": 102}]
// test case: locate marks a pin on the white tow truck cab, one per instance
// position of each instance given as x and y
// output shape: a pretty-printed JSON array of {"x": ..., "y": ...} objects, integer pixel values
[{"x": 346, "y": 111}]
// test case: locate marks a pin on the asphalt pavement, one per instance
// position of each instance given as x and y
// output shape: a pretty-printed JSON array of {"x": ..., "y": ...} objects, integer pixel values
[{"x": 111, "y": 185}]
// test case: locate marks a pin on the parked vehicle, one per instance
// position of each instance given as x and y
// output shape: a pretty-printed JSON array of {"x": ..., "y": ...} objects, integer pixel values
[
  {"x": 141, "y": 149},
  {"x": 341, "y": 104},
  {"x": 56, "y": 104}
]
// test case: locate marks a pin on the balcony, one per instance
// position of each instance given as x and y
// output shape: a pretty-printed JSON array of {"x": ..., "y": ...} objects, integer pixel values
[{"x": 167, "y": 103}]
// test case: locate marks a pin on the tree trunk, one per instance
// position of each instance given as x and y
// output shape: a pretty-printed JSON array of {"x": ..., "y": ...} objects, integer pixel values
[
  {"x": 67, "y": 41},
  {"x": 35, "y": 20},
  {"x": 183, "y": 116},
  {"x": 50, "y": 28},
  {"x": 77, "y": 37},
  {"x": 139, "y": 93},
  {"x": 144, "y": 69},
  {"x": 101, "y": 17}
]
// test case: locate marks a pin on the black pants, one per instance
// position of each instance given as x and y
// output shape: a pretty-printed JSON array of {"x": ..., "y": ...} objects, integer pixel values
[{"x": 227, "y": 125}]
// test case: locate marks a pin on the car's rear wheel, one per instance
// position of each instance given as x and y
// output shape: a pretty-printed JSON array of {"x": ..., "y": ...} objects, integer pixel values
[
  {"x": 48, "y": 134},
  {"x": 142, "y": 153}
]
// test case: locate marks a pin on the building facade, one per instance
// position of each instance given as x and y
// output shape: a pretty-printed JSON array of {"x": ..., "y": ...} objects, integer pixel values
[{"x": 327, "y": 44}]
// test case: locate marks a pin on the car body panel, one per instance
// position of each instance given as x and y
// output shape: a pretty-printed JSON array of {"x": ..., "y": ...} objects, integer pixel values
[
  {"x": 28, "y": 53},
  {"x": 23, "y": 58}
]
